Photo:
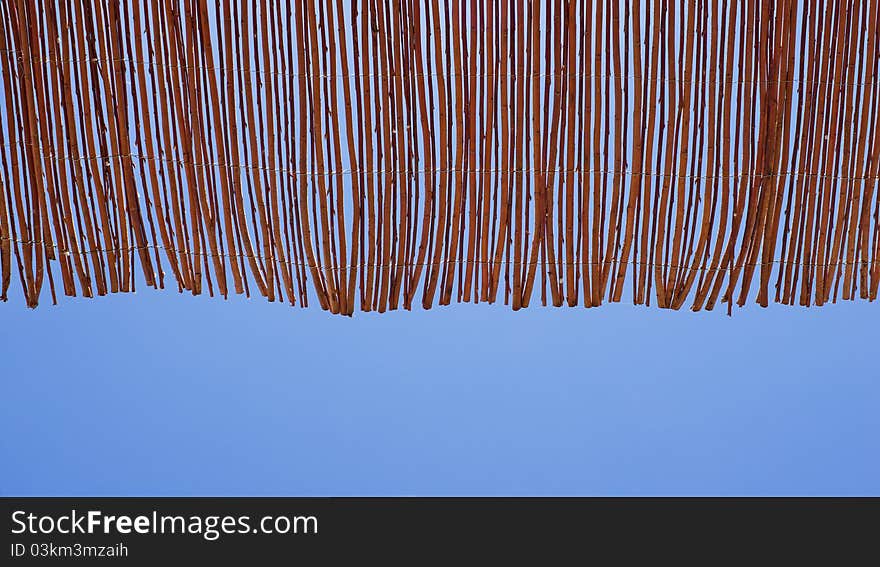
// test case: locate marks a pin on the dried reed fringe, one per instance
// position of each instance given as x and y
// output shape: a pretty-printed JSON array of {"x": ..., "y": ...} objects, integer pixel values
[{"x": 371, "y": 154}]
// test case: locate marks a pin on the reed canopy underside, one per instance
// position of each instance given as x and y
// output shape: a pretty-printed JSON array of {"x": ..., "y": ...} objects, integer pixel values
[{"x": 379, "y": 154}]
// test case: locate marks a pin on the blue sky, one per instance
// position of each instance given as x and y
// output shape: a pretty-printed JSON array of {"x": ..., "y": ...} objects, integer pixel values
[{"x": 158, "y": 393}]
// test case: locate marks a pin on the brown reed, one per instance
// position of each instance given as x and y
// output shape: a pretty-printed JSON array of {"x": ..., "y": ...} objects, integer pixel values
[{"x": 373, "y": 154}]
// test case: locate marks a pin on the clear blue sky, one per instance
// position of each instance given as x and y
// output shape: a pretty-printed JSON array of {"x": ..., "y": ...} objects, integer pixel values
[{"x": 157, "y": 393}]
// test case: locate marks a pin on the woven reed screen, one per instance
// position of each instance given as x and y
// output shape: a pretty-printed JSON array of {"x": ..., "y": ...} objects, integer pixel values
[{"x": 380, "y": 153}]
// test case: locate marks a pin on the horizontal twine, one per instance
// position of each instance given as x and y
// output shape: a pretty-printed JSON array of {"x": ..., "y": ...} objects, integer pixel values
[
  {"x": 438, "y": 263},
  {"x": 413, "y": 171},
  {"x": 514, "y": 75}
]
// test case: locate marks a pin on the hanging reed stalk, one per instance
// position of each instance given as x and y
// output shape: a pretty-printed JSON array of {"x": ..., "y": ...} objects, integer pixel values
[{"x": 369, "y": 155}]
